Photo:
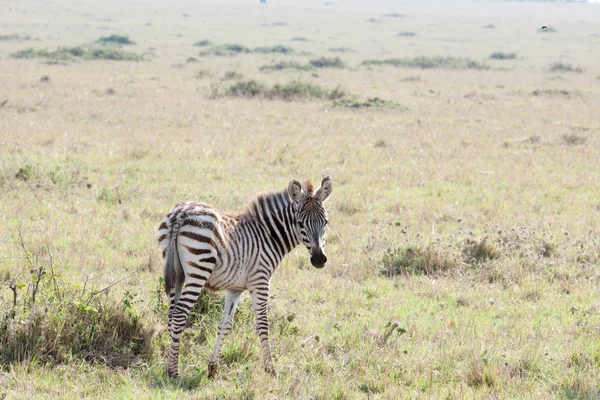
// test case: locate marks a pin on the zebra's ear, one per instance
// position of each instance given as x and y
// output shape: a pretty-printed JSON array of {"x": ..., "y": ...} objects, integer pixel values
[
  {"x": 324, "y": 191},
  {"x": 295, "y": 191}
]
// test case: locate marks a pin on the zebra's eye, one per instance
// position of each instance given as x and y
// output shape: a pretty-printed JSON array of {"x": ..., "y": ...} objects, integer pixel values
[{"x": 300, "y": 224}]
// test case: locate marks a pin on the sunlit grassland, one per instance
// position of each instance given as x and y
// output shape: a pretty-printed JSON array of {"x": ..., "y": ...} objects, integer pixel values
[{"x": 94, "y": 156}]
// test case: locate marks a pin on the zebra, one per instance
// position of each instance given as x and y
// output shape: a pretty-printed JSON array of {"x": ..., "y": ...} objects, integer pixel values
[{"x": 203, "y": 248}]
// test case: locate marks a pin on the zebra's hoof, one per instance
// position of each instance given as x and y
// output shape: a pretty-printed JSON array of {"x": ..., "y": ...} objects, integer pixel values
[
  {"x": 173, "y": 374},
  {"x": 271, "y": 371},
  {"x": 212, "y": 370}
]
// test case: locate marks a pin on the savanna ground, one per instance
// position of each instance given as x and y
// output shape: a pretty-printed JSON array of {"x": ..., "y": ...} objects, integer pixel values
[{"x": 466, "y": 203}]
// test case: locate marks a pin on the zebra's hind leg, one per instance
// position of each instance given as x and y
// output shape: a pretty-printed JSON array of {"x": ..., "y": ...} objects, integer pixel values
[
  {"x": 178, "y": 318},
  {"x": 260, "y": 296},
  {"x": 232, "y": 299}
]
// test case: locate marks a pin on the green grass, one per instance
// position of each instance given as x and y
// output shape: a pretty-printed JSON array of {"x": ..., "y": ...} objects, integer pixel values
[
  {"x": 279, "y": 49},
  {"x": 14, "y": 37},
  {"x": 232, "y": 49},
  {"x": 429, "y": 63}
]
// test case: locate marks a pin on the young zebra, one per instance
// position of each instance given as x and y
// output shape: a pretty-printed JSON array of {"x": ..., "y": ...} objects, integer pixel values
[{"x": 203, "y": 248}]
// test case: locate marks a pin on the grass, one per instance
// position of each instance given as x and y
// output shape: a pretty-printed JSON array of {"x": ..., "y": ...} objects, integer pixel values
[
  {"x": 233, "y": 49},
  {"x": 424, "y": 62},
  {"x": 564, "y": 67},
  {"x": 503, "y": 56},
  {"x": 483, "y": 215}
]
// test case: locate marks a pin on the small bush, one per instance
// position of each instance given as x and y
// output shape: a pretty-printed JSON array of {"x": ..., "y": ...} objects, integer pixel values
[
  {"x": 563, "y": 67},
  {"x": 325, "y": 62},
  {"x": 573, "y": 139},
  {"x": 283, "y": 65},
  {"x": 424, "y": 62},
  {"x": 475, "y": 252},
  {"x": 551, "y": 92},
  {"x": 227, "y": 50},
  {"x": 394, "y": 15},
  {"x": 547, "y": 29},
  {"x": 286, "y": 91},
  {"x": 373, "y": 102},
  {"x": 202, "y": 43},
  {"x": 503, "y": 56},
  {"x": 279, "y": 49},
  {"x": 116, "y": 39},
  {"x": 299, "y": 39},
  {"x": 341, "y": 50},
  {"x": 417, "y": 261},
  {"x": 489, "y": 26},
  {"x": 232, "y": 75},
  {"x": 15, "y": 37},
  {"x": 375, "y": 20},
  {"x": 69, "y": 53},
  {"x": 407, "y": 34}
]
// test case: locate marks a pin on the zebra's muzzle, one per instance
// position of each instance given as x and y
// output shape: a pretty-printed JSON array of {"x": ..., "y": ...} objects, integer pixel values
[{"x": 318, "y": 260}]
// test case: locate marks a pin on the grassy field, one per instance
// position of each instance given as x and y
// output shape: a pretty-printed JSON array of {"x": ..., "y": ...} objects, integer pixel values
[{"x": 463, "y": 145}]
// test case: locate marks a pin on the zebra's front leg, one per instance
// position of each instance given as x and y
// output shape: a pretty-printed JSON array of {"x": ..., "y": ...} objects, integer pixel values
[
  {"x": 232, "y": 299},
  {"x": 178, "y": 315},
  {"x": 260, "y": 298}
]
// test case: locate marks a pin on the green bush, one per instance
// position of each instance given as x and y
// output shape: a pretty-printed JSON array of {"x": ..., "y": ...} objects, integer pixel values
[
  {"x": 203, "y": 43},
  {"x": 282, "y": 91},
  {"x": 70, "y": 53},
  {"x": 407, "y": 34},
  {"x": 227, "y": 50}
]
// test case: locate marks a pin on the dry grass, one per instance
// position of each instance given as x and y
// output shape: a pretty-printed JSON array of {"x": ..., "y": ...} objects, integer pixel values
[{"x": 91, "y": 160}]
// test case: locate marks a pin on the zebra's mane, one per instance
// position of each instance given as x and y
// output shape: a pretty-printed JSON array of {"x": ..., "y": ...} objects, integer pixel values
[{"x": 278, "y": 198}]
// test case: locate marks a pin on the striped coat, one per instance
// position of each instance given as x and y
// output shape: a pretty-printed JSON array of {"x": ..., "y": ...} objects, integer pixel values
[{"x": 203, "y": 248}]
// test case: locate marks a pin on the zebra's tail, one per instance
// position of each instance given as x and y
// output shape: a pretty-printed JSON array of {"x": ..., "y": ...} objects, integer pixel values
[{"x": 173, "y": 271}]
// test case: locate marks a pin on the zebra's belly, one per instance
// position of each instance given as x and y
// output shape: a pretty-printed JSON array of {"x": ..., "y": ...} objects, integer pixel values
[{"x": 233, "y": 278}]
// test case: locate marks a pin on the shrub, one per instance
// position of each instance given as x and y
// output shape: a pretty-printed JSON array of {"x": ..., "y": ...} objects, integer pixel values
[
  {"x": 299, "y": 39},
  {"x": 116, "y": 39},
  {"x": 225, "y": 50},
  {"x": 407, "y": 34},
  {"x": 341, "y": 50},
  {"x": 547, "y": 29},
  {"x": 283, "y": 65},
  {"x": 394, "y": 15},
  {"x": 373, "y": 102},
  {"x": 203, "y": 43},
  {"x": 285, "y": 91},
  {"x": 489, "y": 26},
  {"x": 573, "y": 139},
  {"x": 231, "y": 75},
  {"x": 475, "y": 252},
  {"x": 325, "y": 62},
  {"x": 68, "y": 53},
  {"x": 562, "y": 67},
  {"x": 417, "y": 261},
  {"x": 503, "y": 56},
  {"x": 15, "y": 37},
  {"x": 424, "y": 62},
  {"x": 274, "y": 49}
]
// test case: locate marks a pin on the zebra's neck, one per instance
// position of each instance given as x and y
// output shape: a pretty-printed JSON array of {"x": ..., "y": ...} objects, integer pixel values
[{"x": 276, "y": 212}]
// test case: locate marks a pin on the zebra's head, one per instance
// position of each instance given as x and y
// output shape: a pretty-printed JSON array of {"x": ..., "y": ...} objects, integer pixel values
[{"x": 311, "y": 217}]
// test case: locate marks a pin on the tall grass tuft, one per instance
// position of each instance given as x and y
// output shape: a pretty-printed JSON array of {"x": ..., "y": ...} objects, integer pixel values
[{"x": 425, "y": 62}]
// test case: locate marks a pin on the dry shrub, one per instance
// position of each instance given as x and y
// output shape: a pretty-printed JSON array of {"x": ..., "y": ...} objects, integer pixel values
[
  {"x": 100, "y": 332},
  {"x": 478, "y": 251},
  {"x": 573, "y": 139},
  {"x": 418, "y": 261}
]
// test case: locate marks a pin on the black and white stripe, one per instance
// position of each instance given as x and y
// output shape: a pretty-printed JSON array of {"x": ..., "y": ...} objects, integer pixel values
[{"x": 203, "y": 248}]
